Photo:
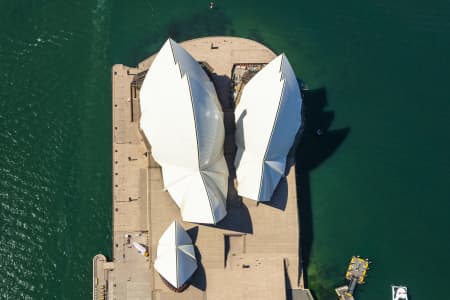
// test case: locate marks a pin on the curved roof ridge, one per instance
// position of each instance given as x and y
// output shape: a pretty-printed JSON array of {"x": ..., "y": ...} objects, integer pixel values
[
  {"x": 272, "y": 103},
  {"x": 179, "y": 106},
  {"x": 175, "y": 259}
]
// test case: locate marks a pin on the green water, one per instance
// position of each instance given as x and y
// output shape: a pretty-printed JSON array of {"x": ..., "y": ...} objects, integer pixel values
[{"x": 376, "y": 184}]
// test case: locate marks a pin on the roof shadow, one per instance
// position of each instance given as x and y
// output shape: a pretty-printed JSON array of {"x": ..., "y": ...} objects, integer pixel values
[
  {"x": 193, "y": 233},
  {"x": 199, "y": 277},
  {"x": 317, "y": 144},
  {"x": 238, "y": 217},
  {"x": 279, "y": 196}
]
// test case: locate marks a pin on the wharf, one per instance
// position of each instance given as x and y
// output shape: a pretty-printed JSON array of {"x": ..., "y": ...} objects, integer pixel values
[
  {"x": 252, "y": 254},
  {"x": 356, "y": 274}
]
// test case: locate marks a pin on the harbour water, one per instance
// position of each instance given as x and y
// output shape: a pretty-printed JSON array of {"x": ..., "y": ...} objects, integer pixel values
[{"x": 375, "y": 184}]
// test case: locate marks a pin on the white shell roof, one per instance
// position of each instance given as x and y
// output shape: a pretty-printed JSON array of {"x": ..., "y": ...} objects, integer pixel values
[
  {"x": 268, "y": 117},
  {"x": 182, "y": 119},
  {"x": 175, "y": 259}
]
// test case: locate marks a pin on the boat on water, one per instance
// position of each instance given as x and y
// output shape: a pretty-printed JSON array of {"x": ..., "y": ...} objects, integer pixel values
[
  {"x": 399, "y": 292},
  {"x": 356, "y": 274}
]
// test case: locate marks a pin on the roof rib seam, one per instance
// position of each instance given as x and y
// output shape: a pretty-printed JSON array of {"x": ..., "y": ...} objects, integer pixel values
[
  {"x": 198, "y": 152},
  {"x": 176, "y": 256},
  {"x": 176, "y": 62},
  {"x": 196, "y": 130},
  {"x": 272, "y": 132}
]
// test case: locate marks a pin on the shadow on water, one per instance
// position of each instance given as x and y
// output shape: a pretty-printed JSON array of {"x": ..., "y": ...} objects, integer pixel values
[
  {"x": 255, "y": 34},
  {"x": 206, "y": 22},
  {"x": 313, "y": 150}
]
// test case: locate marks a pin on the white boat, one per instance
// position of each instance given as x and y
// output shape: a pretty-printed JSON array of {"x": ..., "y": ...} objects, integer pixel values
[
  {"x": 399, "y": 292},
  {"x": 142, "y": 250}
]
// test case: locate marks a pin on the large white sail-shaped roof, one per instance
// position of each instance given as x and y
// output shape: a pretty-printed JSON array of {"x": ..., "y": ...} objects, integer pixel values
[
  {"x": 175, "y": 258},
  {"x": 268, "y": 118},
  {"x": 182, "y": 119}
]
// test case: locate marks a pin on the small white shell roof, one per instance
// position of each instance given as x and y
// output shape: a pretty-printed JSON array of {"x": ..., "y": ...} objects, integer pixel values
[
  {"x": 175, "y": 258},
  {"x": 268, "y": 118},
  {"x": 182, "y": 119}
]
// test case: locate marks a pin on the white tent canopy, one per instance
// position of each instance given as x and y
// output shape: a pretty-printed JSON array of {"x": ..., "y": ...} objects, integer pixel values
[
  {"x": 182, "y": 119},
  {"x": 268, "y": 117},
  {"x": 175, "y": 259}
]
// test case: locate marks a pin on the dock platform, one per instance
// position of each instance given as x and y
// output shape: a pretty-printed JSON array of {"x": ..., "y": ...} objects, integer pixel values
[{"x": 356, "y": 274}]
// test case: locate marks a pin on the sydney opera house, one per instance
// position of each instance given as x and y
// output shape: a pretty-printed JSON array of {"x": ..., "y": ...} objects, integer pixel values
[
  {"x": 183, "y": 121},
  {"x": 217, "y": 212}
]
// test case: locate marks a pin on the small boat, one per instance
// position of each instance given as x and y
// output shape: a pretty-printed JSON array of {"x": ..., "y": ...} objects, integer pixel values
[
  {"x": 142, "y": 250},
  {"x": 212, "y": 5},
  {"x": 399, "y": 292}
]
